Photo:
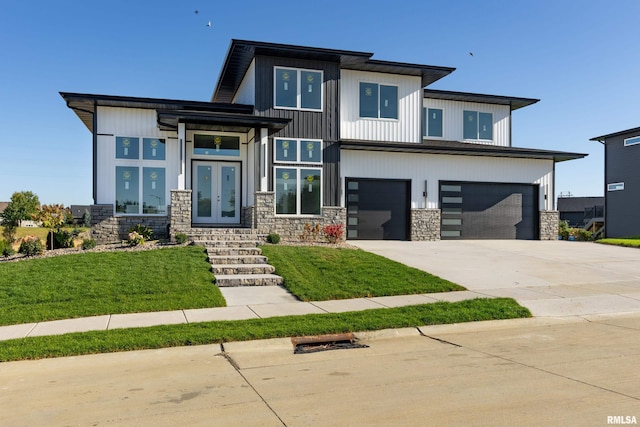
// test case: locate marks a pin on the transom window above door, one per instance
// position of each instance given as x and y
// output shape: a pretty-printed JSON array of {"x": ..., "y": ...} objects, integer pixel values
[
  {"x": 216, "y": 145},
  {"x": 297, "y": 89}
]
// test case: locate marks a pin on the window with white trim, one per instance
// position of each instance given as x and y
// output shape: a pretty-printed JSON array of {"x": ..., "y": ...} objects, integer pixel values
[
  {"x": 615, "y": 186},
  {"x": 378, "y": 101},
  {"x": 478, "y": 125},
  {"x": 632, "y": 141},
  {"x": 140, "y": 176},
  {"x": 298, "y": 184},
  {"x": 298, "y": 89}
]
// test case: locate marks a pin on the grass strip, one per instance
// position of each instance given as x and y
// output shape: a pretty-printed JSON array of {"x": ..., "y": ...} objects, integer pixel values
[
  {"x": 97, "y": 283},
  {"x": 314, "y": 273},
  {"x": 630, "y": 242},
  {"x": 275, "y": 327}
]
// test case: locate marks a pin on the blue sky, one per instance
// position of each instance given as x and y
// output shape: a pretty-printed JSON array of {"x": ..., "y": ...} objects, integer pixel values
[{"x": 580, "y": 58}]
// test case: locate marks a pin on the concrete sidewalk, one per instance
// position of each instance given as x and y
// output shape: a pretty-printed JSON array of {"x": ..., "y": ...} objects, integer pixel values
[{"x": 242, "y": 303}]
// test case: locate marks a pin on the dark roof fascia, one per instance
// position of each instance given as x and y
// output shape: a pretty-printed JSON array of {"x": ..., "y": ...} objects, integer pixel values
[
  {"x": 169, "y": 119},
  {"x": 513, "y": 102},
  {"x": 603, "y": 138},
  {"x": 241, "y": 53},
  {"x": 460, "y": 148}
]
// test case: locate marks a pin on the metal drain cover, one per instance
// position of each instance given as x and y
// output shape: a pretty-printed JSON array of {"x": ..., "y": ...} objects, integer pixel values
[{"x": 316, "y": 343}]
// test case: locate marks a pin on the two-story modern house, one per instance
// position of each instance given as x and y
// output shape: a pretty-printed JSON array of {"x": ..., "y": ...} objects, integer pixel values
[
  {"x": 622, "y": 182},
  {"x": 297, "y": 136}
]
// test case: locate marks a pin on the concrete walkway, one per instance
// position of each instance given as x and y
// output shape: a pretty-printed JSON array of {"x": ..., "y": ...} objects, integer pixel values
[{"x": 242, "y": 303}]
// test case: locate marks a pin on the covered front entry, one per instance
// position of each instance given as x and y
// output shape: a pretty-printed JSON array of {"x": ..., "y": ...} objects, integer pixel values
[
  {"x": 377, "y": 209},
  {"x": 479, "y": 210},
  {"x": 216, "y": 192}
]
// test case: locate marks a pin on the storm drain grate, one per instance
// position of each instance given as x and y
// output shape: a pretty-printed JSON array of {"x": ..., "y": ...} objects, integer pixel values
[{"x": 316, "y": 343}]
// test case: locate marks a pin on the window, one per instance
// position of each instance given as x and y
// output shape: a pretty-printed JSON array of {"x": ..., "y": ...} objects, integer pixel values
[
  {"x": 616, "y": 186},
  {"x": 378, "y": 101},
  {"x": 298, "y": 89},
  {"x": 632, "y": 141},
  {"x": 298, "y": 151},
  {"x": 298, "y": 188},
  {"x": 478, "y": 125},
  {"x": 140, "y": 176},
  {"x": 432, "y": 122},
  {"x": 216, "y": 145}
]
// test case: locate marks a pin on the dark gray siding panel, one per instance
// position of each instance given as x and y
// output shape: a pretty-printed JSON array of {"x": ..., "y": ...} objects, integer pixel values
[
  {"x": 331, "y": 174},
  {"x": 305, "y": 124},
  {"x": 622, "y": 207}
]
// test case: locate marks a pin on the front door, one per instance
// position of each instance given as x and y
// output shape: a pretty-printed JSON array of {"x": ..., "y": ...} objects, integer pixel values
[{"x": 216, "y": 192}]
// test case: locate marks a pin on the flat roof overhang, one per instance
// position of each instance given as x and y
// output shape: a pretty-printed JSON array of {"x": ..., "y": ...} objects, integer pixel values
[
  {"x": 460, "y": 149},
  {"x": 84, "y": 105},
  {"x": 214, "y": 121},
  {"x": 513, "y": 102}
]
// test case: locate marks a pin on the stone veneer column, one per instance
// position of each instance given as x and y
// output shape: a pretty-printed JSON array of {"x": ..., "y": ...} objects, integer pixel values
[
  {"x": 180, "y": 212},
  {"x": 425, "y": 224},
  {"x": 549, "y": 225}
]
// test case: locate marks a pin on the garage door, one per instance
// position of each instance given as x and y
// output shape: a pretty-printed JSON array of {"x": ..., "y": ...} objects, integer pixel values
[
  {"x": 473, "y": 210},
  {"x": 377, "y": 209}
]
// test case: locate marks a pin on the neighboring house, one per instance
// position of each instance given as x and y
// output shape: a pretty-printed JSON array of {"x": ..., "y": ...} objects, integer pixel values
[
  {"x": 297, "y": 136},
  {"x": 579, "y": 211},
  {"x": 77, "y": 211},
  {"x": 622, "y": 182}
]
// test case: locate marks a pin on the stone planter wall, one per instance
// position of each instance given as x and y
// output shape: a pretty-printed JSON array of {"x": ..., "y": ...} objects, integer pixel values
[
  {"x": 106, "y": 228},
  {"x": 425, "y": 224},
  {"x": 265, "y": 220}
]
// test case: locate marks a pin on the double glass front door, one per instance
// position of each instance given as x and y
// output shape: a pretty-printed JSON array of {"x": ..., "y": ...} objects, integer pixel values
[{"x": 216, "y": 192}]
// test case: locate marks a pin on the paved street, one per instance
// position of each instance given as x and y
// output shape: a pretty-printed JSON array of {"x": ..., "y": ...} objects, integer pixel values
[{"x": 529, "y": 372}]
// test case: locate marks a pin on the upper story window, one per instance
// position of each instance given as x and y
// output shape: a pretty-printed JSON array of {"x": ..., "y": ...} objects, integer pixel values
[
  {"x": 378, "y": 101},
  {"x": 298, "y": 89},
  {"x": 478, "y": 125},
  {"x": 632, "y": 141},
  {"x": 432, "y": 122},
  {"x": 216, "y": 145},
  {"x": 298, "y": 151}
]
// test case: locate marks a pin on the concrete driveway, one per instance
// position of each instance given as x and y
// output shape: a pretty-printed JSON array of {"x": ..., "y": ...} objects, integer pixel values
[{"x": 551, "y": 278}]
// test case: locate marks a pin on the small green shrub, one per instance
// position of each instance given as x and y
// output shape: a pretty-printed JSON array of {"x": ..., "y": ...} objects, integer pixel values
[
  {"x": 581, "y": 234},
  {"x": 563, "y": 230},
  {"x": 6, "y": 249},
  {"x": 273, "y": 238},
  {"x": 135, "y": 239},
  {"x": 61, "y": 239},
  {"x": 31, "y": 246},
  {"x": 181, "y": 238},
  {"x": 142, "y": 230},
  {"x": 86, "y": 219},
  {"x": 88, "y": 244},
  {"x": 9, "y": 232}
]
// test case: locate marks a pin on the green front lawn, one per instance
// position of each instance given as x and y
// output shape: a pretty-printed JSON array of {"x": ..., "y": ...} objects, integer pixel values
[
  {"x": 89, "y": 284},
  {"x": 632, "y": 242},
  {"x": 275, "y": 327},
  {"x": 315, "y": 273}
]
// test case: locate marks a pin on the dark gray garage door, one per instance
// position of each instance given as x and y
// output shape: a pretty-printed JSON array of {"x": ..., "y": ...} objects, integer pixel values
[
  {"x": 474, "y": 210},
  {"x": 377, "y": 209}
]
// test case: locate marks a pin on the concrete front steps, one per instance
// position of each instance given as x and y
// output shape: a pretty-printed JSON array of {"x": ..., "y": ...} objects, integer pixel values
[{"x": 235, "y": 257}]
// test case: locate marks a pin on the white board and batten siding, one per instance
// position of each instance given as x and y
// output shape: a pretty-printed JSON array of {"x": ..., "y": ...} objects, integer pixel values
[
  {"x": 406, "y": 129},
  {"x": 453, "y": 120},
  {"x": 246, "y": 93},
  {"x": 436, "y": 167},
  {"x": 131, "y": 122}
]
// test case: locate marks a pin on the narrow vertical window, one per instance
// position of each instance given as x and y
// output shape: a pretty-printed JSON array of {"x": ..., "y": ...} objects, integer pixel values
[
  {"x": 286, "y": 190},
  {"x": 127, "y": 188},
  {"x": 310, "y": 191},
  {"x": 485, "y": 126},
  {"x": 434, "y": 122},
  {"x": 286, "y": 88},
  {"x": 153, "y": 191},
  {"x": 470, "y": 129},
  {"x": 388, "y": 102},
  {"x": 311, "y": 90},
  {"x": 368, "y": 100}
]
